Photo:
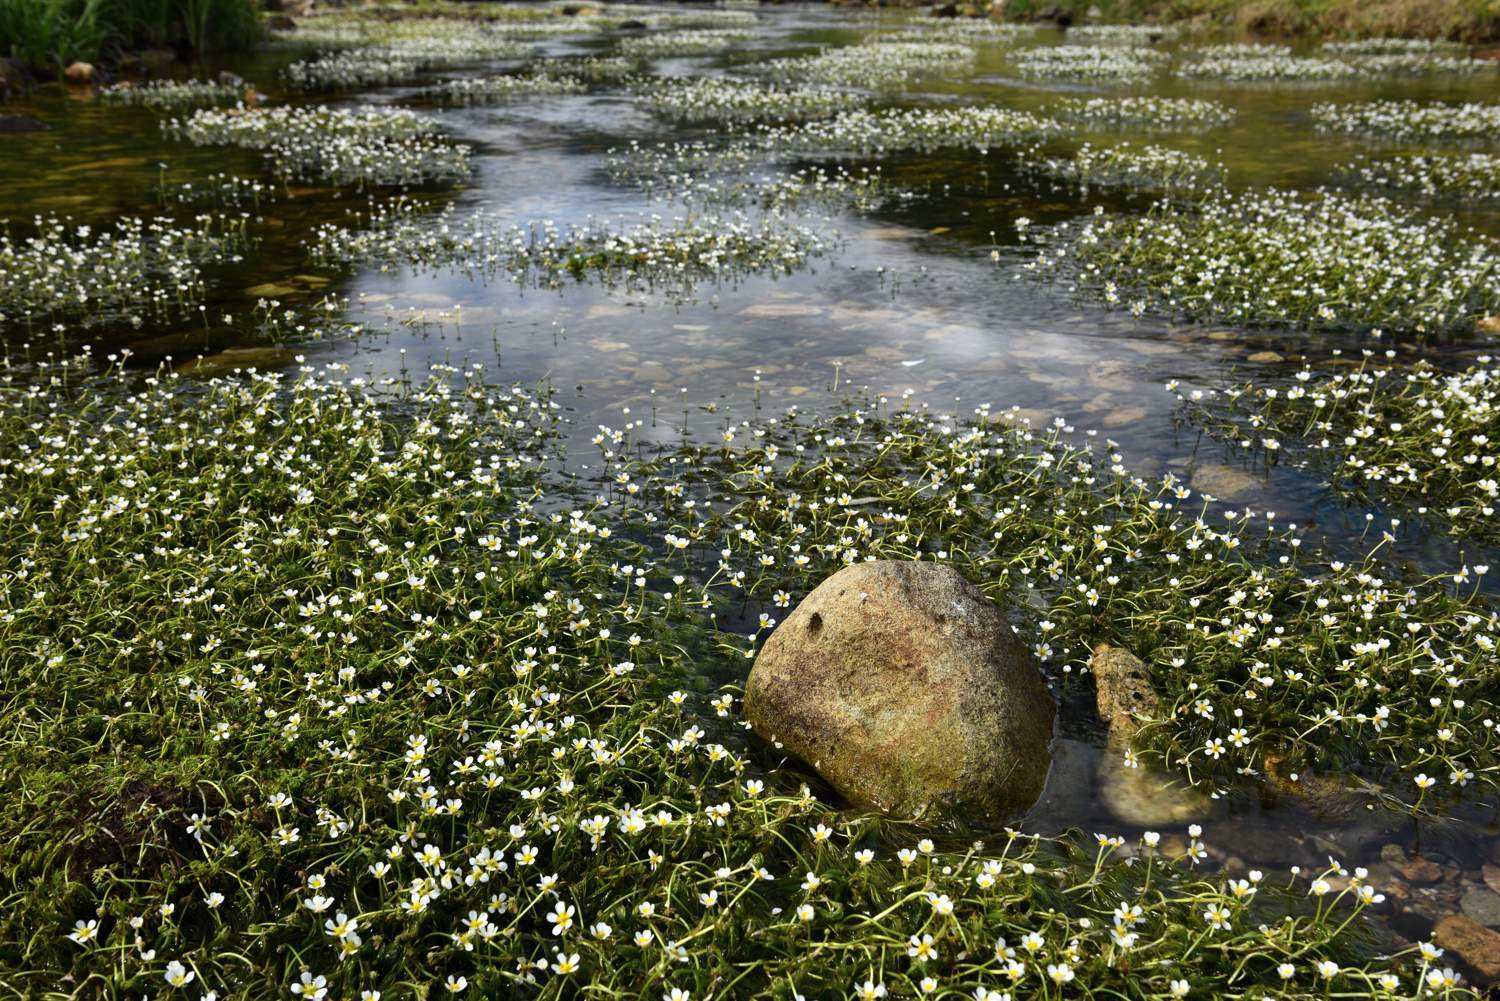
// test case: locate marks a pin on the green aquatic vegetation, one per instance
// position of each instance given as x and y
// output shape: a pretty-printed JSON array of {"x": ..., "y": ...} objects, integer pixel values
[
  {"x": 1474, "y": 177},
  {"x": 682, "y": 43},
  {"x": 673, "y": 254},
  {"x": 365, "y": 147},
  {"x": 1162, "y": 113},
  {"x": 171, "y": 95},
  {"x": 1410, "y": 120},
  {"x": 1320, "y": 261},
  {"x": 221, "y": 191},
  {"x": 703, "y": 99},
  {"x": 895, "y": 129},
  {"x": 596, "y": 69},
  {"x": 1414, "y": 439},
  {"x": 1121, "y": 34},
  {"x": 711, "y": 175},
  {"x": 1128, "y": 166},
  {"x": 402, "y": 59},
  {"x": 388, "y": 710},
  {"x": 1393, "y": 47},
  {"x": 135, "y": 269},
  {"x": 871, "y": 65},
  {"x": 495, "y": 89},
  {"x": 1240, "y": 62},
  {"x": 1089, "y": 62}
]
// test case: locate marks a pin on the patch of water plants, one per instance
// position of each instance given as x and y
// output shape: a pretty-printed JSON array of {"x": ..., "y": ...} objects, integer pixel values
[
  {"x": 1411, "y": 120},
  {"x": 1089, "y": 62},
  {"x": 673, "y": 255},
  {"x": 361, "y": 147},
  {"x": 422, "y": 720},
  {"x": 1413, "y": 439},
  {"x": 893, "y": 129},
  {"x": 1470, "y": 177},
  {"x": 873, "y": 65},
  {"x": 507, "y": 87},
  {"x": 221, "y": 191},
  {"x": 1311, "y": 261},
  {"x": 1158, "y": 113},
  {"x": 1241, "y": 62},
  {"x": 682, "y": 43},
  {"x": 134, "y": 269},
  {"x": 173, "y": 95},
  {"x": 722, "y": 99},
  {"x": 1128, "y": 166}
]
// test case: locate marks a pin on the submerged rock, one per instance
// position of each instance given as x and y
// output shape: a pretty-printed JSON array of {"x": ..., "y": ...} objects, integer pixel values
[
  {"x": 79, "y": 72},
  {"x": 904, "y": 687},
  {"x": 1122, "y": 691},
  {"x": 22, "y": 123},
  {"x": 1476, "y": 946},
  {"x": 1146, "y": 796}
]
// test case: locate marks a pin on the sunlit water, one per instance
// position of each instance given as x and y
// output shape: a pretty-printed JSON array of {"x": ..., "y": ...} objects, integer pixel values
[{"x": 911, "y": 304}]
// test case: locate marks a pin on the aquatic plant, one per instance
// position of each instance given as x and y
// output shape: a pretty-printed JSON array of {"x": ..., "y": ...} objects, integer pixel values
[
  {"x": 493, "y": 89},
  {"x": 135, "y": 269},
  {"x": 390, "y": 712},
  {"x": 220, "y": 190},
  {"x": 591, "y": 68},
  {"x": 1151, "y": 112},
  {"x": 708, "y": 175},
  {"x": 722, "y": 99},
  {"x": 1283, "y": 259},
  {"x": 1120, "y": 34},
  {"x": 681, "y": 43},
  {"x": 1125, "y": 165},
  {"x": 1393, "y": 46},
  {"x": 1413, "y": 439},
  {"x": 1399, "y": 120},
  {"x": 399, "y": 61},
  {"x": 673, "y": 254},
  {"x": 361, "y": 147},
  {"x": 165, "y": 95},
  {"x": 1239, "y": 62},
  {"x": 1471, "y": 177},
  {"x": 1088, "y": 62},
  {"x": 871, "y": 65},
  {"x": 894, "y": 129}
]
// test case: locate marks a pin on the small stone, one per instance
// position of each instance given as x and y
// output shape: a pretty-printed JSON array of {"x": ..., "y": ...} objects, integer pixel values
[
  {"x": 1491, "y": 324},
  {"x": 22, "y": 123},
  {"x": 1483, "y": 905},
  {"x": 1266, "y": 358},
  {"x": 1421, "y": 870},
  {"x": 1392, "y": 854},
  {"x": 904, "y": 687},
  {"x": 1123, "y": 694},
  {"x": 1145, "y": 797},
  {"x": 1476, "y": 946},
  {"x": 1491, "y": 876},
  {"x": 79, "y": 72},
  {"x": 1223, "y": 482}
]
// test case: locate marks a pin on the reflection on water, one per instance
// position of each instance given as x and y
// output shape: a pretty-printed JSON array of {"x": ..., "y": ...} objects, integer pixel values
[{"x": 912, "y": 306}]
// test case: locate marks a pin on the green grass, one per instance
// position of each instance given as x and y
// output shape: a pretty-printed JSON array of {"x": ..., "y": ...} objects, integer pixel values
[
  {"x": 1460, "y": 20},
  {"x": 50, "y": 34}
]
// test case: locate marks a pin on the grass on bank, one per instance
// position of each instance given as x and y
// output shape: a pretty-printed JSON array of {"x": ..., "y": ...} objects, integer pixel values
[
  {"x": 1459, "y": 20},
  {"x": 51, "y": 34}
]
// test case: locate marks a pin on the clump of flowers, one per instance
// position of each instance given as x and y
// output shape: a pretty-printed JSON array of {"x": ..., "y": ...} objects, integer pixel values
[
  {"x": 1089, "y": 62},
  {"x": 893, "y": 129},
  {"x": 685, "y": 42},
  {"x": 673, "y": 254},
  {"x": 1240, "y": 62},
  {"x": 1470, "y": 177},
  {"x": 1407, "y": 120},
  {"x": 1283, "y": 259},
  {"x": 171, "y": 95},
  {"x": 221, "y": 190},
  {"x": 135, "y": 269},
  {"x": 722, "y": 99},
  {"x": 1161, "y": 113},
  {"x": 872, "y": 65},
  {"x": 360, "y": 147},
  {"x": 1125, "y": 165},
  {"x": 1415, "y": 439},
  {"x": 494, "y": 89}
]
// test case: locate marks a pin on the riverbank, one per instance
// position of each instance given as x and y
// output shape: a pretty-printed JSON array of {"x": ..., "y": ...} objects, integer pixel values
[
  {"x": 1471, "y": 21},
  {"x": 45, "y": 37}
]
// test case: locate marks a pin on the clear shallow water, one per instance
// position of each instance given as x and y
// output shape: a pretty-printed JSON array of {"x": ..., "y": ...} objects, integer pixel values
[{"x": 911, "y": 303}]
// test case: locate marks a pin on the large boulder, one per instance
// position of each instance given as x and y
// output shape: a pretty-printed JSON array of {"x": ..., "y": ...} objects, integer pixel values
[{"x": 904, "y": 687}]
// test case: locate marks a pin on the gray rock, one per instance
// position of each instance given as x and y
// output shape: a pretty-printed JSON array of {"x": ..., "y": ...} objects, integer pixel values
[
  {"x": 1145, "y": 796},
  {"x": 1483, "y": 905},
  {"x": 904, "y": 687}
]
